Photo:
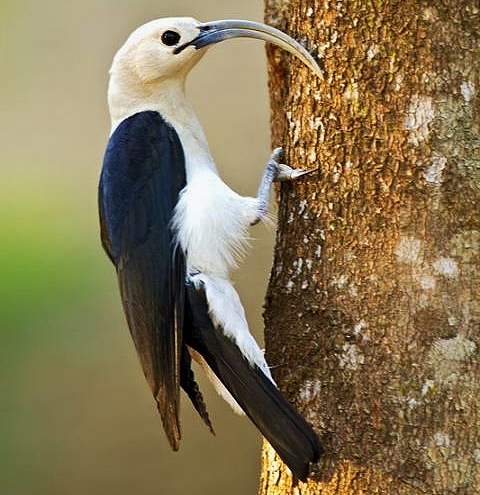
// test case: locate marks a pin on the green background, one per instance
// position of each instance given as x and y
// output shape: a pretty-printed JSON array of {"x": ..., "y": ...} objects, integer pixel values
[{"x": 75, "y": 414}]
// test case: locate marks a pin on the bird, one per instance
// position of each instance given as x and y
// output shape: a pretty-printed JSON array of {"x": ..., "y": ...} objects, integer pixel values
[{"x": 174, "y": 230}]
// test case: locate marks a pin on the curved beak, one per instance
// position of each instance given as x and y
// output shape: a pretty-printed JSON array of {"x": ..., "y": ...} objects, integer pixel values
[{"x": 216, "y": 31}]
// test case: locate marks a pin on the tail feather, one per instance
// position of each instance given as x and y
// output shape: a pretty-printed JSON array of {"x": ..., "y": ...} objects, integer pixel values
[
  {"x": 190, "y": 386},
  {"x": 289, "y": 434}
]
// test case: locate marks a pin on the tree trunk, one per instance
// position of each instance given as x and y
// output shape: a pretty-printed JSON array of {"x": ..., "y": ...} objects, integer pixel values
[{"x": 373, "y": 312}]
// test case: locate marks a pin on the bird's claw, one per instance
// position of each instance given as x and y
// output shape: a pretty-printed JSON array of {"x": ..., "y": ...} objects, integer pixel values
[
  {"x": 276, "y": 155},
  {"x": 285, "y": 172}
]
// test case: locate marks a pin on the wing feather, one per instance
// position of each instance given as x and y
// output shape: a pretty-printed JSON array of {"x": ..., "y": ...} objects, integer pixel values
[{"x": 142, "y": 176}]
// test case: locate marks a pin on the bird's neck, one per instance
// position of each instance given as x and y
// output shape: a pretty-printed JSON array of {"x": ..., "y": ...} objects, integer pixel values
[{"x": 168, "y": 98}]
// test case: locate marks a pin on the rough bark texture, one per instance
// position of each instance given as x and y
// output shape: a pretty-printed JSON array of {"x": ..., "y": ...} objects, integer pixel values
[{"x": 373, "y": 313}]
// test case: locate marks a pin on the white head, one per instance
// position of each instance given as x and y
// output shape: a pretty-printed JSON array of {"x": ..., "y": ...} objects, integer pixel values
[
  {"x": 158, "y": 55},
  {"x": 170, "y": 47},
  {"x": 149, "y": 55}
]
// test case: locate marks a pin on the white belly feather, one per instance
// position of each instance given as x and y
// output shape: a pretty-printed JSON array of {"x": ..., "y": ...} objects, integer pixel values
[{"x": 211, "y": 223}]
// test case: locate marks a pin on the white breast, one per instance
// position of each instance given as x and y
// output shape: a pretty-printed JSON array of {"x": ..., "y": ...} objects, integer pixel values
[{"x": 211, "y": 223}]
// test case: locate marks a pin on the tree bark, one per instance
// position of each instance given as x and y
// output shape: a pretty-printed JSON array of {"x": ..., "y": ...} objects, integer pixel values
[{"x": 372, "y": 312}]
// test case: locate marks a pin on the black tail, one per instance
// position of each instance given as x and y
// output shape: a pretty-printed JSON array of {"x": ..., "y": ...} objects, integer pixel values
[
  {"x": 289, "y": 434},
  {"x": 190, "y": 386}
]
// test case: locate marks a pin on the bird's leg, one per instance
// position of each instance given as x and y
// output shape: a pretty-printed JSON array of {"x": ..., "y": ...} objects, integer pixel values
[{"x": 275, "y": 172}]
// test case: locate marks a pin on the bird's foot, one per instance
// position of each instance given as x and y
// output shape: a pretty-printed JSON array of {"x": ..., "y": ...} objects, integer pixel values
[
  {"x": 274, "y": 171},
  {"x": 285, "y": 172}
]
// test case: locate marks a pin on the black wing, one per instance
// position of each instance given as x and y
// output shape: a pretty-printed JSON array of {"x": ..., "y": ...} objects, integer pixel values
[
  {"x": 142, "y": 176},
  {"x": 288, "y": 433}
]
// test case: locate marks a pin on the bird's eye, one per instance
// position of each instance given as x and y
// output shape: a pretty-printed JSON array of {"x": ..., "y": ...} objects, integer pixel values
[{"x": 170, "y": 38}]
